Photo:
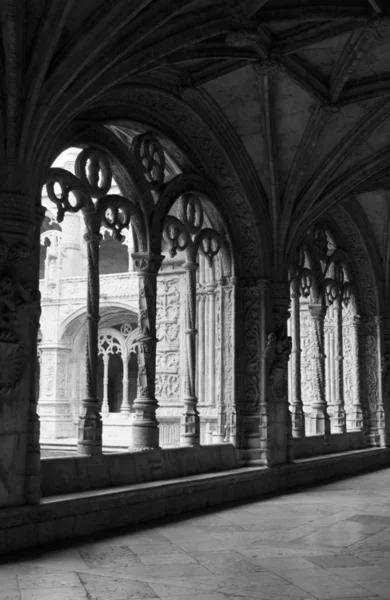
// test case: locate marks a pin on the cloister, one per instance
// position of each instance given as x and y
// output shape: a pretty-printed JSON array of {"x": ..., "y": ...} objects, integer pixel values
[{"x": 194, "y": 256}]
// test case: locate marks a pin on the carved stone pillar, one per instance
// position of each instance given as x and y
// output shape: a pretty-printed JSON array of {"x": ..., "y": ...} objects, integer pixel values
[
  {"x": 105, "y": 405},
  {"x": 19, "y": 318},
  {"x": 125, "y": 406},
  {"x": 338, "y": 412},
  {"x": 355, "y": 420},
  {"x": 386, "y": 376},
  {"x": 319, "y": 418},
  {"x": 277, "y": 352},
  {"x": 54, "y": 406},
  {"x": 201, "y": 348},
  {"x": 145, "y": 433},
  {"x": 32, "y": 480},
  {"x": 297, "y": 414},
  {"x": 211, "y": 342},
  {"x": 380, "y": 413},
  {"x": 90, "y": 421},
  {"x": 190, "y": 420},
  {"x": 245, "y": 418}
]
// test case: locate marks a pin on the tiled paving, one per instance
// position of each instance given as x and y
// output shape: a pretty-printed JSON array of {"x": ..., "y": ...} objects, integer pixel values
[{"x": 328, "y": 542}]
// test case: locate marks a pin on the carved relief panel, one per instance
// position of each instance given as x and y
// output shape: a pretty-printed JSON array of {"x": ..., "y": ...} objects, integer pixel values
[
  {"x": 168, "y": 335},
  {"x": 307, "y": 345}
]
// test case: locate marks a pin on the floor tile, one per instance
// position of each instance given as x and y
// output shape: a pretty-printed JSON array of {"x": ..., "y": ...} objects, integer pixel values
[
  {"x": 111, "y": 588},
  {"x": 109, "y": 556},
  {"x": 330, "y": 542},
  {"x": 55, "y": 594},
  {"x": 175, "y": 558},
  {"x": 48, "y": 580}
]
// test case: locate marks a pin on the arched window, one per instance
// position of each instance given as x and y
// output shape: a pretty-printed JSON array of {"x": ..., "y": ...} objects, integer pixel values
[{"x": 324, "y": 386}]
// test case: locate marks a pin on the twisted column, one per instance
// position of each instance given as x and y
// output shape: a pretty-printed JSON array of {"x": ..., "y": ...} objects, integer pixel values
[
  {"x": 338, "y": 411},
  {"x": 319, "y": 418},
  {"x": 90, "y": 422},
  {"x": 297, "y": 413},
  {"x": 125, "y": 406},
  {"x": 190, "y": 421},
  {"x": 145, "y": 433}
]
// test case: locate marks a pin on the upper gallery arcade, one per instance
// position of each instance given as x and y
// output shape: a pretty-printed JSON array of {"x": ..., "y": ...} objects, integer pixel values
[{"x": 194, "y": 239}]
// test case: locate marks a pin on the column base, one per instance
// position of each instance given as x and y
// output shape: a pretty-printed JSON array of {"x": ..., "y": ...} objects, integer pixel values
[
  {"x": 55, "y": 420},
  {"x": 338, "y": 420},
  {"x": 190, "y": 426},
  {"x": 90, "y": 428},
  {"x": 319, "y": 422},
  {"x": 297, "y": 422},
  {"x": 144, "y": 434},
  {"x": 355, "y": 421}
]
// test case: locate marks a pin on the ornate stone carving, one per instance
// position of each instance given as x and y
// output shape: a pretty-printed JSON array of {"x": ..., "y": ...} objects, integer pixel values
[
  {"x": 12, "y": 293},
  {"x": 145, "y": 426},
  {"x": 150, "y": 158},
  {"x": 319, "y": 418}
]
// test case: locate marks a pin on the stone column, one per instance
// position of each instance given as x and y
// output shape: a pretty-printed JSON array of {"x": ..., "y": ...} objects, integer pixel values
[
  {"x": 205, "y": 373},
  {"x": 211, "y": 345},
  {"x": 190, "y": 420},
  {"x": 201, "y": 347},
  {"x": 125, "y": 406},
  {"x": 245, "y": 417},
  {"x": 380, "y": 413},
  {"x": 32, "y": 480},
  {"x": 297, "y": 414},
  {"x": 319, "y": 418},
  {"x": 278, "y": 351},
  {"x": 355, "y": 418},
  {"x": 70, "y": 245},
  {"x": 19, "y": 317},
  {"x": 338, "y": 411},
  {"x": 90, "y": 421},
  {"x": 145, "y": 433},
  {"x": 105, "y": 405},
  {"x": 54, "y": 407}
]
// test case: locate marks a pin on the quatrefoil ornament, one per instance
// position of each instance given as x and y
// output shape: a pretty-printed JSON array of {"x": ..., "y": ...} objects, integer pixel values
[
  {"x": 150, "y": 158},
  {"x": 210, "y": 243},
  {"x": 190, "y": 211},
  {"x": 176, "y": 235},
  {"x": 115, "y": 213},
  {"x": 94, "y": 171},
  {"x": 67, "y": 184}
]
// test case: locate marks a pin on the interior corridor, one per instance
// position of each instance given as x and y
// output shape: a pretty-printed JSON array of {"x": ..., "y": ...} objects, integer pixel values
[{"x": 327, "y": 542}]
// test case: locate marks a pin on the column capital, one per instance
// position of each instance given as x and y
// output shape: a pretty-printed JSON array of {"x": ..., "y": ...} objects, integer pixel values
[
  {"x": 295, "y": 288},
  {"x": 317, "y": 311},
  {"x": 190, "y": 266},
  {"x": 147, "y": 262},
  {"x": 92, "y": 236}
]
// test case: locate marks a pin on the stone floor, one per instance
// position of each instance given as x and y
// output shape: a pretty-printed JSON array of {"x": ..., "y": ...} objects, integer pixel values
[{"x": 327, "y": 542}]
